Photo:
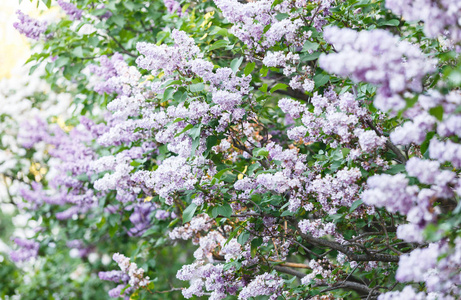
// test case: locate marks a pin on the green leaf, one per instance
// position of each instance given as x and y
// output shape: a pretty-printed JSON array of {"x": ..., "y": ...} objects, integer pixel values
[
  {"x": 33, "y": 68},
  {"x": 221, "y": 173},
  {"x": 168, "y": 94},
  {"x": 263, "y": 88},
  {"x": 345, "y": 151},
  {"x": 171, "y": 82},
  {"x": 195, "y": 144},
  {"x": 211, "y": 141},
  {"x": 161, "y": 36},
  {"x": 310, "y": 46},
  {"x": 279, "y": 86},
  {"x": 455, "y": 77},
  {"x": 224, "y": 210},
  {"x": 255, "y": 244},
  {"x": 197, "y": 87},
  {"x": 243, "y": 237},
  {"x": 219, "y": 44},
  {"x": 78, "y": 52},
  {"x": 321, "y": 79},
  {"x": 219, "y": 31},
  {"x": 354, "y": 205},
  {"x": 189, "y": 126},
  {"x": 118, "y": 19},
  {"x": 393, "y": 22},
  {"x": 395, "y": 169},
  {"x": 432, "y": 233},
  {"x": 129, "y": 5},
  {"x": 309, "y": 57},
  {"x": 61, "y": 61},
  {"x": 287, "y": 213},
  {"x": 437, "y": 112},
  {"x": 249, "y": 68},
  {"x": 195, "y": 131},
  {"x": 281, "y": 16},
  {"x": 263, "y": 72},
  {"x": 235, "y": 63},
  {"x": 260, "y": 152},
  {"x": 188, "y": 213},
  {"x": 425, "y": 144},
  {"x": 172, "y": 223},
  {"x": 335, "y": 217}
]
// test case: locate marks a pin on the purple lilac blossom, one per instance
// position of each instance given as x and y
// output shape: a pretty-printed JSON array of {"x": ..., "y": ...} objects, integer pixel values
[
  {"x": 141, "y": 218},
  {"x": 173, "y": 7},
  {"x": 392, "y": 192},
  {"x": 263, "y": 285},
  {"x": 445, "y": 151},
  {"x": 317, "y": 228},
  {"x": 27, "y": 249},
  {"x": 29, "y": 27},
  {"x": 395, "y": 66},
  {"x": 71, "y": 10},
  {"x": 408, "y": 293},
  {"x": 136, "y": 275},
  {"x": 115, "y": 276},
  {"x": 439, "y": 17},
  {"x": 437, "y": 265}
]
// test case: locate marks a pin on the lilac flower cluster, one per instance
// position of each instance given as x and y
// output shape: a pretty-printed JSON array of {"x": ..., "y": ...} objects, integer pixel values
[
  {"x": 172, "y": 175},
  {"x": 29, "y": 27},
  {"x": 396, "y": 195},
  {"x": 395, "y": 66},
  {"x": 136, "y": 275},
  {"x": 119, "y": 277},
  {"x": 445, "y": 151},
  {"x": 392, "y": 192},
  {"x": 280, "y": 59},
  {"x": 334, "y": 192},
  {"x": 319, "y": 272},
  {"x": 190, "y": 230},
  {"x": 115, "y": 276},
  {"x": 440, "y": 18},
  {"x": 211, "y": 277},
  {"x": 303, "y": 82},
  {"x": 71, "y": 10},
  {"x": 173, "y": 7},
  {"x": 407, "y": 293},
  {"x": 141, "y": 218},
  {"x": 263, "y": 285},
  {"x": 421, "y": 121},
  {"x": 28, "y": 249},
  {"x": 116, "y": 76},
  {"x": 327, "y": 124},
  {"x": 74, "y": 158},
  {"x": 437, "y": 265},
  {"x": 168, "y": 58},
  {"x": 251, "y": 20},
  {"x": 317, "y": 228}
]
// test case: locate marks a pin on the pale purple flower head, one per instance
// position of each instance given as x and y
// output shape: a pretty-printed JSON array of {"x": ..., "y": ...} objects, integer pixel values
[
  {"x": 29, "y": 27},
  {"x": 71, "y": 10},
  {"x": 27, "y": 249}
]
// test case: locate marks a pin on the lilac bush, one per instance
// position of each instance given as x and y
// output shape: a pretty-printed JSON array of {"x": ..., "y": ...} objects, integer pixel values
[{"x": 264, "y": 149}]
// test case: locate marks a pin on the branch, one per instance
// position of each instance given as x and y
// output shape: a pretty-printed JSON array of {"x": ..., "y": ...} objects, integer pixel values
[
  {"x": 294, "y": 93},
  {"x": 389, "y": 144},
  {"x": 289, "y": 271},
  {"x": 356, "y": 287},
  {"x": 290, "y": 264},
  {"x": 351, "y": 255},
  {"x": 123, "y": 48}
]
